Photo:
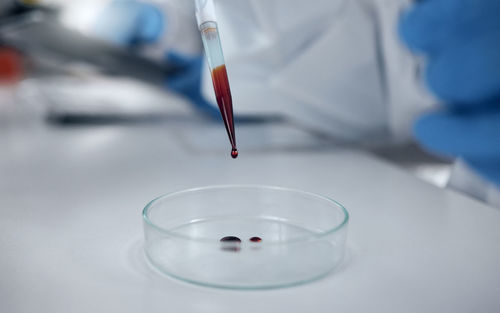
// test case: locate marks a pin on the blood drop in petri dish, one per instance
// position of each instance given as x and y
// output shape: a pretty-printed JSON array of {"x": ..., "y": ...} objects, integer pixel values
[
  {"x": 256, "y": 239},
  {"x": 231, "y": 243}
]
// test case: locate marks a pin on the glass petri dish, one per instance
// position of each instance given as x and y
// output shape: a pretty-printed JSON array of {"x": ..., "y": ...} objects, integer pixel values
[{"x": 288, "y": 237}]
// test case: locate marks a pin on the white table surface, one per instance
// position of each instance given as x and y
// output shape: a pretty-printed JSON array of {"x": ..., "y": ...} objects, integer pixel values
[{"x": 71, "y": 229}]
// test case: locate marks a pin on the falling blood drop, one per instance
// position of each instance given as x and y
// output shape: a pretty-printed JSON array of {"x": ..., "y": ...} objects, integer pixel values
[{"x": 234, "y": 153}]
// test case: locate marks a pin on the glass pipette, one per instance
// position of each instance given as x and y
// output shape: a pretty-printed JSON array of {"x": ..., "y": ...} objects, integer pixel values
[{"x": 207, "y": 23}]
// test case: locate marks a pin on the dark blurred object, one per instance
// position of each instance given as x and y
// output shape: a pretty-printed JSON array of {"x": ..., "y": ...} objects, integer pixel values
[
  {"x": 79, "y": 77},
  {"x": 11, "y": 8},
  {"x": 36, "y": 32}
]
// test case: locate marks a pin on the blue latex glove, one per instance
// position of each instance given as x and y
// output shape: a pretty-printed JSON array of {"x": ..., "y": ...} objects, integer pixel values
[
  {"x": 188, "y": 82},
  {"x": 461, "y": 42},
  {"x": 132, "y": 23},
  {"x": 129, "y": 23}
]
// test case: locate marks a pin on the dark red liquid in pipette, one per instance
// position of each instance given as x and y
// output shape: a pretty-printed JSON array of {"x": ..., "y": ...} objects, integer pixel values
[{"x": 225, "y": 103}]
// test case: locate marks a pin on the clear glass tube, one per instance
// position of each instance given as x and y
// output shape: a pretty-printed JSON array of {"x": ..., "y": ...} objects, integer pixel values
[
  {"x": 212, "y": 44},
  {"x": 215, "y": 57}
]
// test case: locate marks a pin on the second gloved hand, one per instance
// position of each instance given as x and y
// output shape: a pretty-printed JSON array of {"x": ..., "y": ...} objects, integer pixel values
[
  {"x": 187, "y": 81},
  {"x": 461, "y": 42}
]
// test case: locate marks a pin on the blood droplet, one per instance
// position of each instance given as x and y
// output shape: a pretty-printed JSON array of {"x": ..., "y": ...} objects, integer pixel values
[
  {"x": 256, "y": 239},
  {"x": 231, "y": 243},
  {"x": 231, "y": 239}
]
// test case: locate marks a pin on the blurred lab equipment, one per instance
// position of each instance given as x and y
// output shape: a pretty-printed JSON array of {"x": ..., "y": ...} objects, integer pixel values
[
  {"x": 152, "y": 30},
  {"x": 67, "y": 61},
  {"x": 463, "y": 69},
  {"x": 38, "y": 32}
]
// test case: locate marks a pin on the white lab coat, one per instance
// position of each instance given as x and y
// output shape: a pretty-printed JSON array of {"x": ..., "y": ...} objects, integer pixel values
[
  {"x": 333, "y": 65},
  {"x": 336, "y": 66}
]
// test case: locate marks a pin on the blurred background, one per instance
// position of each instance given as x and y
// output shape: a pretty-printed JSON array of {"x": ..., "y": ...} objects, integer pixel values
[
  {"x": 107, "y": 104},
  {"x": 67, "y": 79}
]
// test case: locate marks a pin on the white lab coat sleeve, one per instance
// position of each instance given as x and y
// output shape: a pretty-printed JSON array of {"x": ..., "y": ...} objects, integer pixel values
[
  {"x": 316, "y": 65},
  {"x": 406, "y": 94}
]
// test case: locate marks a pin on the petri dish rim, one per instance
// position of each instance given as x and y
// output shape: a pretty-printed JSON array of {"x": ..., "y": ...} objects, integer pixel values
[{"x": 320, "y": 235}]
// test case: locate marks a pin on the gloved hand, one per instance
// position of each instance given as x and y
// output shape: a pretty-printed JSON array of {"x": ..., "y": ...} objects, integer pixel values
[
  {"x": 187, "y": 82},
  {"x": 133, "y": 23},
  {"x": 460, "y": 40},
  {"x": 130, "y": 23}
]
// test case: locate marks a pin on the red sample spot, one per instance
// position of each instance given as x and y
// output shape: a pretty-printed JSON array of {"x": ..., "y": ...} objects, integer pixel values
[
  {"x": 231, "y": 243},
  {"x": 11, "y": 67}
]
